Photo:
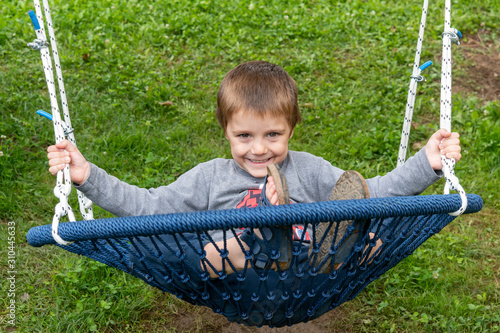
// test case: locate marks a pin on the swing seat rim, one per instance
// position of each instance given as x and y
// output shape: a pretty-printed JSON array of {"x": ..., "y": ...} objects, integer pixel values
[{"x": 300, "y": 213}]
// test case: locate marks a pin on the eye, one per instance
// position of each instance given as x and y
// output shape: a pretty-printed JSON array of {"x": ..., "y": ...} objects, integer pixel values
[
  {"x": 243, "y": 135},
  {"x": 273, "y": 134}
]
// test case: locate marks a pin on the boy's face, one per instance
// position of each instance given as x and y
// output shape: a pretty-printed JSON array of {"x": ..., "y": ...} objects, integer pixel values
[{"x": 257, "y": 142}]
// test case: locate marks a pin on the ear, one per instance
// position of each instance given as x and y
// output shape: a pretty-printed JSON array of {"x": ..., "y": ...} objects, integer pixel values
[{"x": 291, "y": 134}]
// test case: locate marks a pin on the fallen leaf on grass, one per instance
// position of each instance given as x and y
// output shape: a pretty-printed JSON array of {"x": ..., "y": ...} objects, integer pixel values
[{"x": 25, "y": 297}]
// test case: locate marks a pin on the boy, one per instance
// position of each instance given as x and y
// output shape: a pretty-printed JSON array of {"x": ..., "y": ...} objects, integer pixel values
[{"x": 257, "y": 109}]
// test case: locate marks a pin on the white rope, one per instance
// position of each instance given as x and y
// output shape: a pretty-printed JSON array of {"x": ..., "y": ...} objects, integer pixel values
[
  {"x": 449, "y": 35},
  {"x": 84, "y": 203},
  {"x": 62, "y": 128},
  {"x": 412, "y": 92}
]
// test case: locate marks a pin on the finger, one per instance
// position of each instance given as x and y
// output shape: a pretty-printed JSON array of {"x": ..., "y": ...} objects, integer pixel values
[
  {"x": 53, "y": 148},
  {"x": 61, "y": 160},
  {"x": 441, "y": 135},
  {"x": 271, "y": 191},
  {"x": 455, "y": 155},
  {"x": 444, "y": 133},
  {"x": 451, "y": 136},
  {"x": 450, "y": 142},
  {"x": 66, "y": 145},
  {"x": 56, "y": 168},
  {"x": 451, "y": 152},
  {"x": 57, "y": 154},
  {"x": 451, "y": 148},
  {"x": 274, "y": 199}
]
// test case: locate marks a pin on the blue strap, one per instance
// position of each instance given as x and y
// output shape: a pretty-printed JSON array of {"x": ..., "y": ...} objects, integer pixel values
[{"x": 34, "y": 20}]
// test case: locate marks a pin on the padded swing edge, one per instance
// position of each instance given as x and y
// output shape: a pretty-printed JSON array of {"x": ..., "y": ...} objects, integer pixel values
[{"x": 133, "y": 226}]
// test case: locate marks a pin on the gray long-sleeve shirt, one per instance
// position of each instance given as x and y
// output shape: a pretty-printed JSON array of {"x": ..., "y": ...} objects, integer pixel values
[{"x": 222, "y": 184}]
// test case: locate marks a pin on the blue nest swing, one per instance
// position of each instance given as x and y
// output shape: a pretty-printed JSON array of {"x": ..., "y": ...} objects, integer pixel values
[{"x": 255, "y": 296}]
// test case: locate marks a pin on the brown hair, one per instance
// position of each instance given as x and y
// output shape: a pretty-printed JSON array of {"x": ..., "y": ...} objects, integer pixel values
[{"x": 259, "y": 87}]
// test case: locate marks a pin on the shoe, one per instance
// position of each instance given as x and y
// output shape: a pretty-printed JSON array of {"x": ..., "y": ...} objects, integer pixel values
[
  {"x": 273, "y": 238},
  {"x": 351, "y": 185}
]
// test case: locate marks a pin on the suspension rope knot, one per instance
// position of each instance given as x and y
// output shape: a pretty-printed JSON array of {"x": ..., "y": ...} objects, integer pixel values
[
  {"x": 453, "y": 183},
  {"x": 66, "y": 128}
]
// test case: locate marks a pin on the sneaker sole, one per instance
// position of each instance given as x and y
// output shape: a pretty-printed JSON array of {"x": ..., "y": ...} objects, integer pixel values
[
  {"x": 351, "y": 185},
  {"x": 274, "y": 171}
]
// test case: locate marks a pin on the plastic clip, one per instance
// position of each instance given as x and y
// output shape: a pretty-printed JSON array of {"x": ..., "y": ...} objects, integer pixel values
[
  {"x": 34, "y": 20},
  {"x": 425, "y": 65},
  {"x": 420, "y": 78},
  {"x": 67, "y": 130},
  {"x": 44, "y": 114}
]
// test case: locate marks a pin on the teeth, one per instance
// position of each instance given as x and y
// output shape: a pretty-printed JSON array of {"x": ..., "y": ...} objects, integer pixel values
[{"x": 259, "y": 161}]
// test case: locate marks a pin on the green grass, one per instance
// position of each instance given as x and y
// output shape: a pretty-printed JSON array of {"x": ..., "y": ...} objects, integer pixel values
[{"x": 351, "y": 60}]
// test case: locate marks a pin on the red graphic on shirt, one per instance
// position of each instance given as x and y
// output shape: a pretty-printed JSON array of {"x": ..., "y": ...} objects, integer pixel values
[
  {"x": 251, "y": 200},
  {"x": 298, "y": 230}
]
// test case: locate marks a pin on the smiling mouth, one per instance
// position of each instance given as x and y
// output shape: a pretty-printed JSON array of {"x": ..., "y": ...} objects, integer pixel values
[{"x": 260, "y": 161}]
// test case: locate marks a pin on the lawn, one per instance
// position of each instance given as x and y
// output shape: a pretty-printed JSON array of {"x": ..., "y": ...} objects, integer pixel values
[{"x": 352, "y": 60}]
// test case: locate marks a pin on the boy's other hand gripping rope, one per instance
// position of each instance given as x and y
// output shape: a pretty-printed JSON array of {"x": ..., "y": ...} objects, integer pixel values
[{"x": 62, "y": 128}]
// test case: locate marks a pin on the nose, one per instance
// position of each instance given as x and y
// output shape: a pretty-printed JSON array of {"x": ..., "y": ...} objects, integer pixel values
[{"x": 259, "y": 147}]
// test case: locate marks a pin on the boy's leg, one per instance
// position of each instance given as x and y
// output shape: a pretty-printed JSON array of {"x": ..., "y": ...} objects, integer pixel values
[
  {"x": 351, "y": 185},
  {"x": 374, "y": 249},
  {"x": 235, "y": 255}
]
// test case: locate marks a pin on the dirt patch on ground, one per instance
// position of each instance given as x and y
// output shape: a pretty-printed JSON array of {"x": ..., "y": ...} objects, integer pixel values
[
  {"x": 482, "y": 77},
  {"x": 189, "y": 318}
]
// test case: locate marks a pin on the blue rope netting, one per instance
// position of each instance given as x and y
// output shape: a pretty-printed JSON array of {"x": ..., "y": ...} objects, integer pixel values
[{"x": 166, "y": 251}]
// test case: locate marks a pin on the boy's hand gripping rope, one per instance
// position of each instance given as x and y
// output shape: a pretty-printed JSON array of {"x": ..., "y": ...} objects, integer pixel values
[
  {"x": 62, "y": 129},
  {"x": 449, "y": 36}
]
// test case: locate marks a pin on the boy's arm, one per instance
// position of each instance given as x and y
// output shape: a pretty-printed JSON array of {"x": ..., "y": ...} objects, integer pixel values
[
  {"x": 411, "y": 178},
  {"x": 188, "y": 193}
]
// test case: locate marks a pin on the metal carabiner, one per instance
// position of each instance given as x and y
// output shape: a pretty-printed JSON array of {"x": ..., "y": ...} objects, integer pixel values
[
  {"x": 453, "y": 34},
  {"x": 38, "y": 44}
]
